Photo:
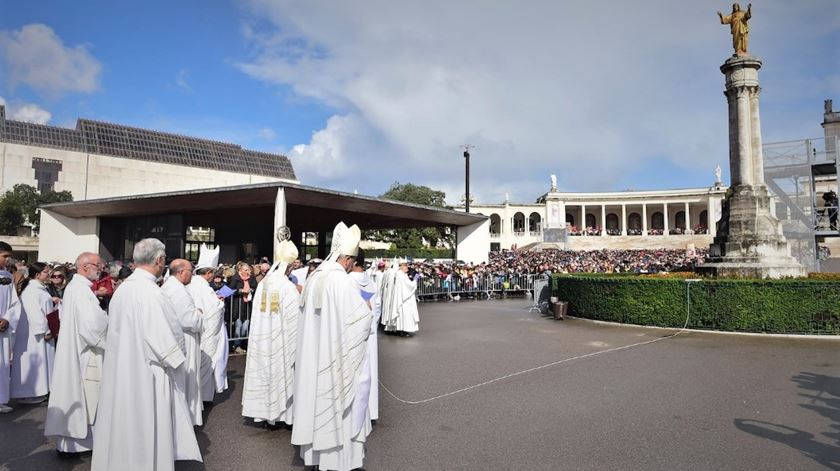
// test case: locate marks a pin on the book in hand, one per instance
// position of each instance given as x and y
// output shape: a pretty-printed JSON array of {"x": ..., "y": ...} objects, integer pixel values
[{"x": 53, "y": 323}]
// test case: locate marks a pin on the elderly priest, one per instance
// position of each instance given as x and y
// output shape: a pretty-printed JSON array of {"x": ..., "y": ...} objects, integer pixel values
[
  {"x": 330, "y": 409},
  {"x": 190, "y": 319},
  {"x": 78, "y": 357},
  {"x": 142, "y": 420}
]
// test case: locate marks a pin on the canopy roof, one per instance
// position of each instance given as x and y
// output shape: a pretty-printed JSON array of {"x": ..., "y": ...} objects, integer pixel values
[{"x": 318, "y": 207}]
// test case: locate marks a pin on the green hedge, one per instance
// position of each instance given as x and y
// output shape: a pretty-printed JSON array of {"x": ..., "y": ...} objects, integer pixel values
[{"x": 772, "y": 306}]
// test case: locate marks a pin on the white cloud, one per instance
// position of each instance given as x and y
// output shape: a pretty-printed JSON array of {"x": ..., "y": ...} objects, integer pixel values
[
  {"x": 576, "y": 88},
  {"x": 181, "y": 80},
  {"x": 28, "y": 112},
  {"x": 267, "y": 133},
  {"x": 31, "y": 113},
  {"x": 36, "y": 57}
]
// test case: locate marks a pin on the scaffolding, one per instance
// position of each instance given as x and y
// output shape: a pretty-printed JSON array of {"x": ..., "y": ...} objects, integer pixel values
[{"x": 794, "y": 172}]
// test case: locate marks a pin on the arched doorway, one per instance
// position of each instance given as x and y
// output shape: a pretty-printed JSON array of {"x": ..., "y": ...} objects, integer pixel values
[
  {"x": 495, "y": 224},
  {"x": 570, "y": 220},
  {"x": 590, "y": 220},
  {"x": 679, "y": 220},
  {"x": 518, "y": 223},
  {"x": 534, "y": 222},
  {"x": 612, "y": 222},
  {"x": 634, "y": 222},
  {"x": 704, "y": 220},
  {"x": 657, "y": 221}
]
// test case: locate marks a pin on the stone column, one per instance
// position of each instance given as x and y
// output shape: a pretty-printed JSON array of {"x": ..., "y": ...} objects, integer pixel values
[
  {"x": 624, "y": 219},
  {"x": 687, "y": 218},
  {"x": 749, "y": 241},
  {"x": 665, "y": 220},
  {"x": 644, "y": 219},
  {"x": 711, "y": 208},
  {"x": 755, "y": 141},
  {"x": 603, "y": 220},
  {"x": 582, "y": 225}
]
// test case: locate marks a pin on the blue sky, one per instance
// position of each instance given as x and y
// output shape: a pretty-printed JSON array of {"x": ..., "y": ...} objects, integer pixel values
[{"x": 362, "y": 94}]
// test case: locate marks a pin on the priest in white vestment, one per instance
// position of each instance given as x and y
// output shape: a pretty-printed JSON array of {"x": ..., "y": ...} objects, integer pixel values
[
  {"x": 9, "y": 316},
  {"x": 142, "y": 422},
  {"x": 386, "y": 294},
  {"x": 267, "y": 393},
  {"x": 214, "y": 341},
  {"x": 403, "y": 316},
  {"x": 330, "y": 405},
  {"x": 190, "y": 319},
  {"x": 78, "y": 361},
  {"x": 368, "y": 291},
  {"x": 34, "y": 352}
]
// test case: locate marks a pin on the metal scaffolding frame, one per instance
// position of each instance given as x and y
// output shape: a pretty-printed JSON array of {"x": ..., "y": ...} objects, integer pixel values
[{"x": 791, "y": 170}]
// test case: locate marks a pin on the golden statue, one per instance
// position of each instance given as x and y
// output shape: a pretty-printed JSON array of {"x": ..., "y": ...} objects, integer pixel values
[{"x": 739, "y": 27}]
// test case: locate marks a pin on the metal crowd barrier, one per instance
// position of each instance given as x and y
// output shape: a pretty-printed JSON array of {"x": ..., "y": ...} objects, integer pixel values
[
  {"x": 238, "y": 311},
  {"x": 487, "y": 286}
]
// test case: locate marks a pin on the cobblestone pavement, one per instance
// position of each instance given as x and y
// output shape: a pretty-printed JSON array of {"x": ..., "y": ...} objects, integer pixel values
[{"x": 692, "y": 401}]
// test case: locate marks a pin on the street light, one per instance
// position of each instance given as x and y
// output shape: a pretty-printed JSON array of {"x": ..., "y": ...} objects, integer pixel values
[{"x": 467, "y": 148}]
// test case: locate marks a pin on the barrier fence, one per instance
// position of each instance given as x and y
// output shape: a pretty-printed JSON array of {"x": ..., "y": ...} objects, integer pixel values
[{"x": 238, "y": 310}]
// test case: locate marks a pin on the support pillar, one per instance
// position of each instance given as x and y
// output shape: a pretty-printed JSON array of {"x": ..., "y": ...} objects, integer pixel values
[
  {"x": 279, "y": 217},
  {"x": 665, "y": 230},
  {"x": 644, "y": 219},
  {"x": 603, "y": 220},
  {"x": 583, "y": 218},
  {"x": 624, "y": 219},
  {"x": 687, "y": 219}
]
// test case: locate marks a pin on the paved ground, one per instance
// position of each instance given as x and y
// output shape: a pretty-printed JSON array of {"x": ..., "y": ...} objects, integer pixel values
[{"x": 694, "y": 401}]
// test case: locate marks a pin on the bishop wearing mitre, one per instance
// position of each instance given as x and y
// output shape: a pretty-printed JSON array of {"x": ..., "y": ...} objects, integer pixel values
[
  {"x": 330, "y": 409},
  {"x": 214, "y": 341},
  {"x": 272, "y": 342}
]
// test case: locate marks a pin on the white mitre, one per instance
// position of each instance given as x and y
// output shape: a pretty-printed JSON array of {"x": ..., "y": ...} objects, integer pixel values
[
  {"x": 207, "y": 257},
  {"x": 345, "y": 241},
  {"x": 286, "y": 252}
]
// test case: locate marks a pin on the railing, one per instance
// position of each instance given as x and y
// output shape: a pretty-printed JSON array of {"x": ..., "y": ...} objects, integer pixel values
[{"x": 486, "y": 286}]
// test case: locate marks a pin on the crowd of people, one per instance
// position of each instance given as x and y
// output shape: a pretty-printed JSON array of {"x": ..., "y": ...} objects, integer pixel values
[
  {"x": 128, "y": 365},
  {"x": 147, "y": 342}
]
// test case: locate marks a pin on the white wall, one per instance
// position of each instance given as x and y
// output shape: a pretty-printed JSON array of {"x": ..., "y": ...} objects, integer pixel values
[
  {"x": 62, "y": 239},
  {"x": 90, "y": 176},
  {"x": 473, "y": 242}
]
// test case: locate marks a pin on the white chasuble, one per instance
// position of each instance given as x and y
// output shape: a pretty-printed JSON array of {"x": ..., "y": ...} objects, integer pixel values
[
  {"x": 214, "y": 352},
  {"x": 190, "y": 319},
  {"x": 386, "y": 297},
  {"x": 267, "y": 393},
  {"x": 9, "y": 311},
  {"x": 142, "y": 422},
  {"x": 370, "y": 376},
  {"x": 78, "y": 371},
  {"x": 32, "y": 364},
  {"x": 332, "y": 349}
]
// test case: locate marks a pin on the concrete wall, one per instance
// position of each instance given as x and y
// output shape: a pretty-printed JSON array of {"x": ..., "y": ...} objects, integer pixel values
[
  {"x": 473, "y": 241},
  {"x": 62, "y": 239},
  {"x": 678, "y": 242},
  {"x": 90, "y": 176}
]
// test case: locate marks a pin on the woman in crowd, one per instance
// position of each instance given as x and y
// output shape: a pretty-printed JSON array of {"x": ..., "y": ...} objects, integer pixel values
[
  {"x": 243, "y": 285},
  {"x": 57, "y": 282},
  {"x": 34, "y": 351}
]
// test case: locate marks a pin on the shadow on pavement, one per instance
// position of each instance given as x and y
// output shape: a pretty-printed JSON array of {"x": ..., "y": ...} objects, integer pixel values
[{"x": 823, "y": 398}]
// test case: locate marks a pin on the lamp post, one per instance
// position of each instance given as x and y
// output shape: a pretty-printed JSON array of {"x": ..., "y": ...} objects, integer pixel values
[{"x": 467, "y": 148}]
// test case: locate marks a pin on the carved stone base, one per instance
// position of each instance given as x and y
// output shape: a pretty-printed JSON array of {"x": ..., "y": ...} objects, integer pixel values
[{"x": 749, "y": 240}]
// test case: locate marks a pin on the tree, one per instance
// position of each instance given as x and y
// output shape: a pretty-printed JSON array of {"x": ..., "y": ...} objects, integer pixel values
[
  {"x": 414, "y": 238},
  {"x": 20, "y": 206}
]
